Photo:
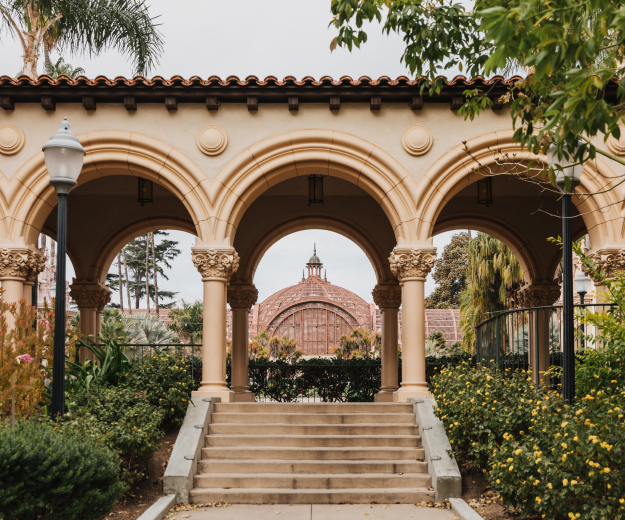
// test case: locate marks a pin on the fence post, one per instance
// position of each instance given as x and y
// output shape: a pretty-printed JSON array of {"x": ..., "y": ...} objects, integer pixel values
[
  {"x": 536, "y": 363},
  {"x": 497, "y": 339}
]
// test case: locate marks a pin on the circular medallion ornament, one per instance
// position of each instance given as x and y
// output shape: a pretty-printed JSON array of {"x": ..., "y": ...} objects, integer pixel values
[
  {"x": 11, "y": 139},
  {"x": 212, "y": 140},
  {"x": 417, "y": 140},
  {"x": 617, "y": 146}
]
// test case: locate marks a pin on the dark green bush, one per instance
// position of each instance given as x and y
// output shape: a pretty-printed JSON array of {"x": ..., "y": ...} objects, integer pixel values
[{"x": 47, "y": 475}]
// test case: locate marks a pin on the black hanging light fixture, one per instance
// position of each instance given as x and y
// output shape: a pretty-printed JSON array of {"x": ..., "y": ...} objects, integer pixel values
[
  {"x": 146, "y": 191},
  {"x": 315, "y": 189},
  {"x": 485, "y": 191}
]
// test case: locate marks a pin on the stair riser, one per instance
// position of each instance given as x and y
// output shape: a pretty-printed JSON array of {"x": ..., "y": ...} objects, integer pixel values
[
  {"x": 317, "y": 497},
  {"x": 313, "y": 442},
  {"x": 320, "y": 454},
  {"x": 301, "y": 418},
  {"x": 322, "y": 408},
  {"x": 338, "y": 482},
  {"x": 314, "y": 429},
  {"x": 265, "y": 466}
]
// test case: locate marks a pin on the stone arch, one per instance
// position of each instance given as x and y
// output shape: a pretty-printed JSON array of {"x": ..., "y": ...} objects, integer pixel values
[
  {"x": 452, "y": 172},
  {"x": 252, "y": 257},
  {"x": 108, "y": 153},
  {"x": 303, "y": 152}
]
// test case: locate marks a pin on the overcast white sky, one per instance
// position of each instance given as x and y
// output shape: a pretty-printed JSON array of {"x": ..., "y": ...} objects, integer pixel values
[{"x": 249, "y": 37}]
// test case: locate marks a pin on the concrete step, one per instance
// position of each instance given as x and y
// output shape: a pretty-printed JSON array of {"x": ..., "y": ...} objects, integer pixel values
[
  {"x": 304, "y": 481},
  {"x": 323, "y": 408},
  {"x": 313, "y": 467},
  {"x": 299, "y": 453},
  {"x": 321, "y": 441},
  {"x": 315, "y": 429},
  {"x": 312, "y": 496},
  {"x": 311, "y": 418}
]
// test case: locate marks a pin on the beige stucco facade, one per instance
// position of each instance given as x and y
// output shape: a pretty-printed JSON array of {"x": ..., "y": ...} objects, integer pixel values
[{"x": 237, "y": 179}]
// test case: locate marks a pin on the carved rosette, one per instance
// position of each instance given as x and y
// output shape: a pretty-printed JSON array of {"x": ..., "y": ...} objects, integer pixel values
[
  {"x": 612, "y": 262},
  {"x": 213, "y": 263},
  {"x": 21, "y": 263},
  {"x": 387, "y": 296},
  {"x": 537, "y": 295},
  {"x": 90, "y": 296},
  {"x": 242, "y": 296},
  {"x": 413, "y": 263}
]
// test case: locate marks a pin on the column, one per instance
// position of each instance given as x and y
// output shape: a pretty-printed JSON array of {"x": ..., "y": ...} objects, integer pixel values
[
  {"x": 539, "y": 295},
  {"x": 411, "y": 266},
  {"x": 90, "y": 296},
  {"x": 216, "y": 265},
  {"x": 241, "y": 297},
  {"x": 388, "y": 299},
  {"x": 611, "y": 260}
]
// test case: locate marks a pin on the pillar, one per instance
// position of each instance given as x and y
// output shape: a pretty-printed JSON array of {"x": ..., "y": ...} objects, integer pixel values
[
  {"x": 388, "y": 299},
  {"x": 611, "y": 260},
  {"x": 241, "y": 297},
  {"x": 90, "y": 296},
  {"x": 216, "y": 265},
  {"x": 411, "y": 266}
]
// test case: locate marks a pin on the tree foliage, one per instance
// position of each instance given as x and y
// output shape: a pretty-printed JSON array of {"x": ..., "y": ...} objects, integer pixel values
[
  {"x": 450, "y": 274},
  {"x": 188, "y": 320},
  {"x": 360, "y": 344}
]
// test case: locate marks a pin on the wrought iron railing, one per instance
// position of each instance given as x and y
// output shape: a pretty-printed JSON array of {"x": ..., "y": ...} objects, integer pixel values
[{"x": 529, "y": 338}]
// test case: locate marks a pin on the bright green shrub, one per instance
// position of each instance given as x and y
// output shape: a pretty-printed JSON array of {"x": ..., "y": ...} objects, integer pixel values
[
  {"x": 570, "y": 462},
  {"x": 165, "y": 382},
  {"x": 479, "y": 406},
  {"x": 53, "y": 476}
]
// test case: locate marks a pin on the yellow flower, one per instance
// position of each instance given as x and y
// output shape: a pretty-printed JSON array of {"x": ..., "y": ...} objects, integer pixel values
[
  {"x": 621, "y": 500},
  {"x": 565, "y": 482},
  {"x": 579, "y": 412},
  {"x": 549, "y": 485},
  {"x": 564, "y": 424},
  {"x": 510, "y": 468},
  {"x": 564, "y": 445},
  {"x": 519, "y": 450},
  {"x": 538, "y": 500},
  {"x": 172, "y": 409},
  {"x": 573, "y": 482}
]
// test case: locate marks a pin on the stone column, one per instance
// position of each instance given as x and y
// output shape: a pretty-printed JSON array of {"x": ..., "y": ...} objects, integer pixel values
[
  {"x": 388, "y": 298},
  {"x": 90, "y": 297},
  {"x": 241, "y": 297},
  {"x": 411, "y": 266},
  {"x": 611, "y": 260},
  {"x": 216, "y": 265},
  {"x": 539, "y": 295}
]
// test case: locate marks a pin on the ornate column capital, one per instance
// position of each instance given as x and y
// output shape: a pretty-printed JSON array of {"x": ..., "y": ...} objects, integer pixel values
[
  {"x": 21, "y": 262},
  {"x": 215, "y": 262},
  {"x": 90, "y": 295},
  {"x": 611, "y": 260},
  {"x": 387, "y": 296},
  {"x": 242, "y": 296},
  {"x": 412, "y": 262},
  {"x": 538, "y": 295}
]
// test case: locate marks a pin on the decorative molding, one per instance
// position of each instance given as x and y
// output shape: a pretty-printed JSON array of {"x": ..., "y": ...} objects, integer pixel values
[
  {"x": 214, "y": 263},
  {"x": 212, "y": 140},
  {"x": 387, "y": 296},
  {"x": 537, "y": 295},
  {"x": 20, "y": 263},
  {"x": 617, "y": 146},
  {"x": 611, "y": 261},
  {"x": 11, "y": 139},
  {"x": 417, "y": 140},
  {"x": 90, "y": 295},
  {"x": 412, "y": 263},
  {"x": 242, "y": 296}
]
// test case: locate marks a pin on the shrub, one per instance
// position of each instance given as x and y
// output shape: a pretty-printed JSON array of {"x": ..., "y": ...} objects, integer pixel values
[
  {"x": 165, "y": 382},
  {"x": 52, "y": 476}
]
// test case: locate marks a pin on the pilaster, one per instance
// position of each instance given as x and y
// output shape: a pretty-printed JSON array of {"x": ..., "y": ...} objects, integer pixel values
[{"x": 388, "y": 299}]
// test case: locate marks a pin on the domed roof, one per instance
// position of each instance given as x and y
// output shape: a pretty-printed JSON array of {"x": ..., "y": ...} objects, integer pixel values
[{"x": 314, "y": 259}]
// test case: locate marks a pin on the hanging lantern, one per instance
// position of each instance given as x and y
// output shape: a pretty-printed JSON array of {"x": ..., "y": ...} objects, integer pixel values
[
  {"x": 485, "y": 191},
  {"x": 315, "y": 189},
  {"x": 146, "y": 191}
]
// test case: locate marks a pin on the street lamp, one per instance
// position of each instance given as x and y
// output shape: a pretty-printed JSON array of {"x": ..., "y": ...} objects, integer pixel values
[
  {"x": 582, "y": 285},
  {"x": 64, "y": 157},
  {"x": 568, "y": 177}
]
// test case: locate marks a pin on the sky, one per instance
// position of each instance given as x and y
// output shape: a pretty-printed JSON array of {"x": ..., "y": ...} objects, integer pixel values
[{"x": 248, "y": 37}]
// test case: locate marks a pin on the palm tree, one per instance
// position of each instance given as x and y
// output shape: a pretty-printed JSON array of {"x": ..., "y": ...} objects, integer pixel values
[
  {"x": 188, "y": 321},
  {"x": 83, "y": 25},
  {"x": 143, "y": 328}
]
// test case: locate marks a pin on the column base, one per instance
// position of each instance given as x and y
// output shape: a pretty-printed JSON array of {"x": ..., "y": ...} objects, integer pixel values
[
  {"x": 383, "y": 397},
  {"x": 244, "y": 397},
  {"x": 405, "y": 392},
  {"x": 226, "y": 395}
]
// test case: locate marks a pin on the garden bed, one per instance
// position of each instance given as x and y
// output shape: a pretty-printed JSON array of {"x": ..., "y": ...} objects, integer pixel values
[{"x": 477, "y": 493}]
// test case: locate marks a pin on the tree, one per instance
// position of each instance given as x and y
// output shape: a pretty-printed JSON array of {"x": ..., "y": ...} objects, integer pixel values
[
  {"x": 450, "y": 274},
  {"x": 83, "y": 26},
  {"x": 360, "y": 344},
  {"x": 143, "y": 328},
  {"x": 572, "y": 49},
  {"x": 60, "y": 67},
  {"x": 188, "y": 321}
]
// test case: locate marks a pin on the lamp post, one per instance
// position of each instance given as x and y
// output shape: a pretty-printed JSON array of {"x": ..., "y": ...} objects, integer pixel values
[
  {"x": 568, "y": 177},
  {"x": 582, "y": 284},
  {"x": 64, "y": 157}
]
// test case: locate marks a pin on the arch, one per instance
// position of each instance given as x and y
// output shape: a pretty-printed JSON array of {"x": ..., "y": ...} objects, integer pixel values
[
  {"x": 115, "y": 241},
  {"x": 453, "y": 172},
  {"x": 302, "y": 152},
  {"x": 502, "y": 231},
  {"x": 108, "y": 153},
  {"x": 251, "y": 259}
]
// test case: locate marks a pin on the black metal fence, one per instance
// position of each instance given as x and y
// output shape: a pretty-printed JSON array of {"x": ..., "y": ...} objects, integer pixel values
[{"x": 528, "y": 338}]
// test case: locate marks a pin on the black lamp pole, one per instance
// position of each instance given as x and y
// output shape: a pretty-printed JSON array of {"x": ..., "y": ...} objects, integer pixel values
[{"x": 568, "y": 344}]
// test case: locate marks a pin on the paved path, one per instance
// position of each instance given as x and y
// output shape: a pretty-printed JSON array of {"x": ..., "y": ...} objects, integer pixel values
[{"x": 317, "y": 512}]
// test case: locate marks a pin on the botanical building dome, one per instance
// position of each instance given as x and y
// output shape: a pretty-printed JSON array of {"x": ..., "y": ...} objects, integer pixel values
[{"x": 315, "y": 312}]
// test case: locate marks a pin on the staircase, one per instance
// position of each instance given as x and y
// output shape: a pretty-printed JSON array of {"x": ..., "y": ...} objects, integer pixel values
[{"x": 312, "y": 453}]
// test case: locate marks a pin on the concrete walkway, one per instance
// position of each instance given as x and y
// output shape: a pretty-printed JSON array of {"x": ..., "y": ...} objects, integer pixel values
[{"x": 317, "y": 512}]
